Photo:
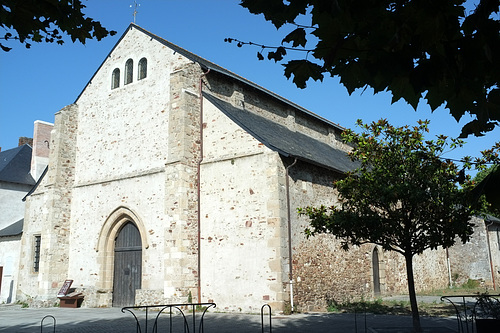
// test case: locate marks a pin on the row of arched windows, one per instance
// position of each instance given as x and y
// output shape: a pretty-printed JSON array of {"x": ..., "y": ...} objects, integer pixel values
[{"x": 142, "y": 72}]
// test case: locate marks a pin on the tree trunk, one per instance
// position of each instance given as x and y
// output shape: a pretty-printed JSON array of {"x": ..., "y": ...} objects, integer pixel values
[{"x": 411, "y": 292}]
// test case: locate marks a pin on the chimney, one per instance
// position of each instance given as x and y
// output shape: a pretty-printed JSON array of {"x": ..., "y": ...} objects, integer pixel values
[
  {"x": 41, "y": 148},
  {"x": 24, "y": 140}
]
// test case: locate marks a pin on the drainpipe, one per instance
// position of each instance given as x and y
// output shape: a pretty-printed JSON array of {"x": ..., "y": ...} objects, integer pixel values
[
  {"x": 450, "y": 283},
  {"x": 489, "y": 254},
  {"x": 290, "y": 270},
  {"x": 199, "y": 182}
]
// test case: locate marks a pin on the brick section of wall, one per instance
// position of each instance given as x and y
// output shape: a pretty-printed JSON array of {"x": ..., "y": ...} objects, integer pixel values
[
  {"x": 24, "y": 140},
  {"x": 41, "y": 148}
]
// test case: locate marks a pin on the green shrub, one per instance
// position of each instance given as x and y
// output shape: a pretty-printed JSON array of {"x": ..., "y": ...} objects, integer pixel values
[{"x": 471, "y": 284}]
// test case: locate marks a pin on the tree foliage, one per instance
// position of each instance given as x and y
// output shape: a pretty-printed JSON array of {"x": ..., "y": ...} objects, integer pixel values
[
  {"x": 403, "y": 197},
  {"x": 29, "y": 21},
  {"x": 486, "y": 187},
  {"x": 414, "y": 49}
]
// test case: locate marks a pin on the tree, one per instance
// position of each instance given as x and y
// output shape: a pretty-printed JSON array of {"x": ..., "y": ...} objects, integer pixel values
[
  {"x": 36, "y": 20},
  {"x": 413, "y": 49},
  {"x": 403, "y": 196},
  {"x": 486, "y": 188}
]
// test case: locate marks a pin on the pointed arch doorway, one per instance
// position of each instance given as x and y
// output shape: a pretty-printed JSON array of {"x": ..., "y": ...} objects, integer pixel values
[{"x": 127, "y": 275}]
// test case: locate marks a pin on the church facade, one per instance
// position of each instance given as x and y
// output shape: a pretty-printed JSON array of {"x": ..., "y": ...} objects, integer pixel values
[{"x": 173, "y": 179}]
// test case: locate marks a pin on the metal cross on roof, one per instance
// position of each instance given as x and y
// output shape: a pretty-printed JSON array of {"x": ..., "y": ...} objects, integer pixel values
[{"x": 135, "y": 5}]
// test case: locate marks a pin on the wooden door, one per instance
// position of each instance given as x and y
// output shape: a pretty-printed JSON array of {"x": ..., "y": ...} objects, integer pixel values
[
  {"x": 127, "y": 266},
  {"x": 376, "y": 272}
]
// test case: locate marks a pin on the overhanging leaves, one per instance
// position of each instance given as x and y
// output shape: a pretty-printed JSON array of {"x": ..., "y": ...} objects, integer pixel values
[
  {"x": 296, "y": 37},
  {"x": 410, "y": 49},
  {"x": 302, "y": 71},
  {"x": 36, "y": 21}
]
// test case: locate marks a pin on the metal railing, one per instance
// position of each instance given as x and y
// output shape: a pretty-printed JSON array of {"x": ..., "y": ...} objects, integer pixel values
[
  {"x": 170, "y": 310},
  {"x": 469, "y": 308},
  {"x": 53, "y": 323},
  {"x": 262, "y": 317}
]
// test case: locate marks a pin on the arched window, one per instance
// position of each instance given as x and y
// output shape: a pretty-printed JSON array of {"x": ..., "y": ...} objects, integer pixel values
[
  {"x": 143, "y": 69},
  {"x": 129, "y": 71},
  {"x": 115, "y": 79}
]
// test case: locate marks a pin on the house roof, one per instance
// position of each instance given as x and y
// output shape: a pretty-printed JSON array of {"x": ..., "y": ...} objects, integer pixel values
[
  {"x": 492, "y": 219},
  {"x": 285, "y": 141},
  {"x": 15, "y": 165},
  {"x": 214, "y": 67},
  {"x": 14, "y": 229}
]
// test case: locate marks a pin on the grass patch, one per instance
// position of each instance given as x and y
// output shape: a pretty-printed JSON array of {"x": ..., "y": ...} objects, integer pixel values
[
  {"x": 23, "y": 304},
  {"x": 380, "y": 306},
  {"x": 471, "y": 287}
]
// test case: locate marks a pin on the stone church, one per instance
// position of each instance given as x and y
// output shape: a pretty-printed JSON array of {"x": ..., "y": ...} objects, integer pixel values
[{"x": 172, "y": 179}]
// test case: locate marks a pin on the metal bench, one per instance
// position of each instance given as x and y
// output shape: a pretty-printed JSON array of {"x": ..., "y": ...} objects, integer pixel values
[{"x": 474, "y": 311}]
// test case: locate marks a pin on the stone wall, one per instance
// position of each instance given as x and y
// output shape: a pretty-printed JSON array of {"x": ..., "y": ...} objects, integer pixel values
[
  {"x": 324, "y": 273},
  {"x": 430, "y": 272},
  {"x": 137, "y": 149},
  {"x": 472, "y": 259},
  {"x": 240, "y": 218},
  {"x": 244, "y": 208},
  {"x": 271, "y": 108},
  {"x": 48, "y": 215},
  {"x": 494, "y": 242},
  {"x": 181, "y": 183},
  {"x": 244, "y": 215}
]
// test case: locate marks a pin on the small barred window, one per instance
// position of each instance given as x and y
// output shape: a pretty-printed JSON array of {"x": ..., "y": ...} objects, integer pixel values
[{"x": 36, "y": 253}]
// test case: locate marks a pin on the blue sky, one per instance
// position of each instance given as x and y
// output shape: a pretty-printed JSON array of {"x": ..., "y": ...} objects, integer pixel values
[{"x": 35, "y": 83}]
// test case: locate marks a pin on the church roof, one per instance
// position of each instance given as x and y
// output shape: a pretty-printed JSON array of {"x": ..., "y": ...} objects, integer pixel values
[
  {"x": 214, "y": 67},
  {"x": 285, "y": 141},
  {"x": 15, "y": 165},
  {"x": 14, "y": 229}
]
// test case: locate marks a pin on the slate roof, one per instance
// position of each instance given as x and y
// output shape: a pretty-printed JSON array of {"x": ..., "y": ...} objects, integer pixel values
[
  {"x": 14, "y": 229},
  {"x": 285, "y": 141},
  {"x": 214, "y": 67},
  {"x": 492, "y": 219},
  {"x": 15, "y": 165}
]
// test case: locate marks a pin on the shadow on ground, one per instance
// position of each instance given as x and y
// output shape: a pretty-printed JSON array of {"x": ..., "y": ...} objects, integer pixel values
[{"x": 113, "y": 321}]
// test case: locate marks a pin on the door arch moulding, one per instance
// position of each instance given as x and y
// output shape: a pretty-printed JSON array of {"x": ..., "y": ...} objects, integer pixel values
[{"x": 106, "y": 240}]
